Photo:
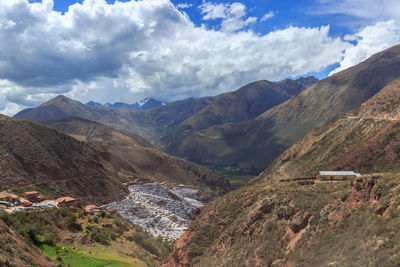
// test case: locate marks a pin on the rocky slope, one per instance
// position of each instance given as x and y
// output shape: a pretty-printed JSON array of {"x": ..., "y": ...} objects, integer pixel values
[
  {"x": 149, "y": 164},
  {"x": 277, "y": 223},
  {"x": 16, "y": 251},
  {"x": 256, "y": 143},
  {"x": 364, "y": 140},
  {"x": 285, "y": 224},
  {"x": 159, "y": 210},
  {"x": 243, "y": 104}
]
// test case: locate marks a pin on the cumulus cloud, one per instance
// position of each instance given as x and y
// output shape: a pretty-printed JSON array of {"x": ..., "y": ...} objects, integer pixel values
[
  {"x": 370, "y": 40},
  {"x": 375, "y": 23},
  {"x": 380, "y": 27},
  {"x": 233, "y": 15},
  {"x": 129, "y": 50},
  {"x": 267, "y": 16}
]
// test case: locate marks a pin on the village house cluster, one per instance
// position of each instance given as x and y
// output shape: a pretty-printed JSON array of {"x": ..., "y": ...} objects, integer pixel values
[{"x": 32, "y": 200}]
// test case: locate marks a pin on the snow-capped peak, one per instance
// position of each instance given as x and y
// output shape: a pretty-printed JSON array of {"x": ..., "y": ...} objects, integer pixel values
[{"x": 143, "y": 101}]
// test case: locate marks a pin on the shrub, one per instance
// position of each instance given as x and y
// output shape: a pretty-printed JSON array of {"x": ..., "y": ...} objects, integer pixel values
[
  {"x": 344, "y": 195},
  {"x": 285, "y": 212},
  {"x": 141, "y": 240},
  {"x": 99, "y": 235},
  {"x": 73, "y": 225},
  {"x": 5, "y": 217},
  {"x": 385, "y": 202}
]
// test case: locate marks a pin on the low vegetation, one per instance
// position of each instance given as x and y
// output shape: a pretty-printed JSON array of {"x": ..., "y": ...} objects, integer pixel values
[{"x": 81, "y": 239}]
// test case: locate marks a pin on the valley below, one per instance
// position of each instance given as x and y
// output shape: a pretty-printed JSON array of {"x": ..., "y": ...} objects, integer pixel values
[{"x": 283, "y": 174}]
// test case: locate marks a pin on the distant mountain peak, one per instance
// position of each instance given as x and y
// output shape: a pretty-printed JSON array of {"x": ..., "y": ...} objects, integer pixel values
[
  {"x": 92, "y": 103},
  {"x": 143, "y": 101},
  {"x": 307, "y": 81},
  {"x": 58, "y": 99}
]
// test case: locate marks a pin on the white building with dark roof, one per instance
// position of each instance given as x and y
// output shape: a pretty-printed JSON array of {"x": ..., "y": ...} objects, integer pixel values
[{"x": 339, "y": 173}]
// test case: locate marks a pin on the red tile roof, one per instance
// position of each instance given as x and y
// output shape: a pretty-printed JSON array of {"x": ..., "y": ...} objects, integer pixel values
[
  {"x": 31, "y": 193},
  {"x": 5, "y": 194},
  {"x": 65, "y": 199}
]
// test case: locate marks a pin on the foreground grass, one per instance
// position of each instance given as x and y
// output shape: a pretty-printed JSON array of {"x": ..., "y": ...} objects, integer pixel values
[{"x": 81, "y": 257}]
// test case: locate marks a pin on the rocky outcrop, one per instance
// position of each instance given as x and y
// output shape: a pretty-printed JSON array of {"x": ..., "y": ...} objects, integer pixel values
[{"x": 179, "y": 257}]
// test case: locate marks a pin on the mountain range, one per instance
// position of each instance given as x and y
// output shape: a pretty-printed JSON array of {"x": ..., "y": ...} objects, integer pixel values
[
  {"x": 148, "y": 123},
  {"x": 255, "y": 143},
  {"x": 247, "y": 128},
  {"x": 144, "y": 104},
  {"x": 176, "y": 120}
]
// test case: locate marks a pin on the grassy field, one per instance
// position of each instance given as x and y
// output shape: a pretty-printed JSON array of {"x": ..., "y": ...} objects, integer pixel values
[
  {"x": 89, "y": 257},
  {"x": 238, "y": 180}
]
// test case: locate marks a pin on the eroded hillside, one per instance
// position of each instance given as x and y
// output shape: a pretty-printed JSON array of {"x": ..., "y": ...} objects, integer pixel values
[{"x": 286, "y": 224}]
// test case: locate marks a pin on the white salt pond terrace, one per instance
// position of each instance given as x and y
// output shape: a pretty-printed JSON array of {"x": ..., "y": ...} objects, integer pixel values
[{"x": 159, "y": 210}]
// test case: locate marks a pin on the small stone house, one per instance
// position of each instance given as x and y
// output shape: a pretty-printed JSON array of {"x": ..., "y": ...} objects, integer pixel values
[{"x": 31, "y": 196}]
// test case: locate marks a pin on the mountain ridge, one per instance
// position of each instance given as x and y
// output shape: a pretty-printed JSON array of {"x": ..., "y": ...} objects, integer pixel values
[
  {"x": 255, "y": 143},
  {"x": 147, "y": 123},
  {"x": 363, "y": 139},
  {"x": 242, "y": 104}
]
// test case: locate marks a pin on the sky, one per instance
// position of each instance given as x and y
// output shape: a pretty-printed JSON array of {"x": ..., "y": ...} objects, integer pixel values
[{"x": 109, "y": 51}]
